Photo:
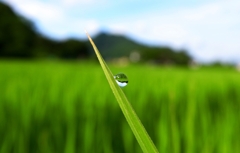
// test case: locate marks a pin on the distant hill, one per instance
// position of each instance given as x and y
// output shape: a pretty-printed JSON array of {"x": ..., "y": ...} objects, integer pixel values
[
  {"x": 115, "y": 46},
  {"x": 112, "y": 46},
  {"x": 19, "y": 39}
]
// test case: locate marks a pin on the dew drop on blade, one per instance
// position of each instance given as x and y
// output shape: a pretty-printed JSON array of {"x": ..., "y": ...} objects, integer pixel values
[{"x": 121, "y": 79}]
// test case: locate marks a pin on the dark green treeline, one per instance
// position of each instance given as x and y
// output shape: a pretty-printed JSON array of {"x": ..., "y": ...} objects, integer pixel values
[{"x": 19, "y": 38}]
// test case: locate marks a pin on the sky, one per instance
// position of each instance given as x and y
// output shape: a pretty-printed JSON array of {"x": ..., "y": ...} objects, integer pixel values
[{"x": 208, "y": 29}]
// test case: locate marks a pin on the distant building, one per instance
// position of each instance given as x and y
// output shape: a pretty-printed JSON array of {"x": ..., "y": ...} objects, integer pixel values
[
  {"x": 238, "y": 67},
  {"x": 193, "y": 65},
  {"x": 121, "y": 61},
  {"x": 134, "y": 56}
]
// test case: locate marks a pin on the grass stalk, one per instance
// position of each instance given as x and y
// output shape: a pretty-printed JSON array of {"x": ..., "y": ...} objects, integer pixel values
[{"x": 135, "y": 124}]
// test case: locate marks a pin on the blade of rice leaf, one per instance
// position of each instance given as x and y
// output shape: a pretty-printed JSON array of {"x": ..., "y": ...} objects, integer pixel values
[{"x": 135, "y": 124}]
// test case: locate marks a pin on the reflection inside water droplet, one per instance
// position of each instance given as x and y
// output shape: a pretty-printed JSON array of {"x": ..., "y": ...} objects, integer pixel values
[{"x": 121, "y": 79}]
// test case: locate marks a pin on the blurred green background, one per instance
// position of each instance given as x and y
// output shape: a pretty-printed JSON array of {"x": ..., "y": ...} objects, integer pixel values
[
  {"x": 54, "y": 96},
  {"x": 69, "y": 107}
]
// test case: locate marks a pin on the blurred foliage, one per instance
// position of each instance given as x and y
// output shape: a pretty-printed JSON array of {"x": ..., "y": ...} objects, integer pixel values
[
  {"x": 117, "y": 46},
  {"x": 20, "y": 39},
  {"x": 219, "y": 64},
  {"x": 68, "y": 107},
  {"x": 112, "y": 46},
  {"x": 165, "y": 55}
]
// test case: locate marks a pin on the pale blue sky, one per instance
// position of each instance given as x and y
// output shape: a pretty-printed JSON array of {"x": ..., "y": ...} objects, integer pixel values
[{"x": 208, "y": 29}]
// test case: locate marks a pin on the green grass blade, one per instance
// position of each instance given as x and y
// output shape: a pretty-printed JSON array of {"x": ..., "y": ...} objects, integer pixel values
[{"x": 138, "y": 129}]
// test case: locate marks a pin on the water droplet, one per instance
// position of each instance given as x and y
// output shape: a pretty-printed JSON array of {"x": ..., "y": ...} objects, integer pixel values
[{"x": 121, "y": 79}]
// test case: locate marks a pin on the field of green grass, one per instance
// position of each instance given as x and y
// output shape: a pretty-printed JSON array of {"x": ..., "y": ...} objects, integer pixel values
[{"x": 68, "y": 107}]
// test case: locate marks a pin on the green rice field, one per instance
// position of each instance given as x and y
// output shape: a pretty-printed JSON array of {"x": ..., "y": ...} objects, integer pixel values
[{"x": 68, "y": 107}]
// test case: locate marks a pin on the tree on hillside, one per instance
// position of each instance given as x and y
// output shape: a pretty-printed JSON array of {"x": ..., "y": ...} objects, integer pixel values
[
  {"x": 17, "y": 34},
  {"x": 165, "y": 55},
  {"x": 18, "y": 38},
  {"x": 72, "y": 48}
]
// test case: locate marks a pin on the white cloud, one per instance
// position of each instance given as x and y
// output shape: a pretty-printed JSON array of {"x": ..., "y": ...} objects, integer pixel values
[
  {"x": 53, "y": 18},
  {"x": 206, "y": 31},
  {"x": 78, "y": 2},
  {"x": 40, "y": 11},
  {"x": 210, "y": 31}
]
